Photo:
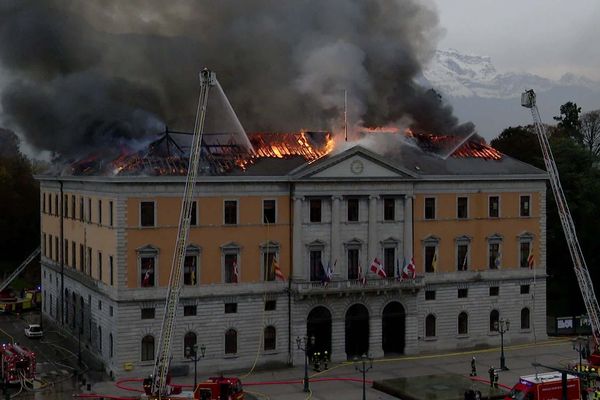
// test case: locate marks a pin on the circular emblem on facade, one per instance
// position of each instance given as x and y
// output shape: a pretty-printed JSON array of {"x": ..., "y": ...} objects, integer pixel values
[{"x": 356, "y": 167}]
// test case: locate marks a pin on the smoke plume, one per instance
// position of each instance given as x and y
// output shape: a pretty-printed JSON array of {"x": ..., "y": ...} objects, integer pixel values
[{"x": 83, "y": 75}]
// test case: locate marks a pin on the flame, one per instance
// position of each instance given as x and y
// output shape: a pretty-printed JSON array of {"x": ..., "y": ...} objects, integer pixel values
[{"x": 283, "y": 145}]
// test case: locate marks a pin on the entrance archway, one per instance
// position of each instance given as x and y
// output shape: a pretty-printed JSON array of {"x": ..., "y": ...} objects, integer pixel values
[
  {"x": 357, "y": 331},
  {"x": 393, "y": 328},
  {"x": 318, "y": 324}
]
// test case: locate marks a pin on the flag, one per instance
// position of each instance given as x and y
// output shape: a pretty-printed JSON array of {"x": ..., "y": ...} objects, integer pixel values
[
  {"x": 434, "y": 261},
  {"x": 398, "y": 273},
  {"x": 530, "y": 260},
  {"x": 278, "y": 274},
  {"x": 324, "y": 276},
  {"x": 193, "y": 276},
  {"x": 377, "y": 268},
  {"x": 361, "y": 276},
  {"x": 146, "y": 281},
  {"x": 236, "y": 272},
  {"x": 409, "y": 270},
  {"x": 330, "y": 271},
  {"x": 497, "y": 261},
  {"x": 464, "y": 266}
]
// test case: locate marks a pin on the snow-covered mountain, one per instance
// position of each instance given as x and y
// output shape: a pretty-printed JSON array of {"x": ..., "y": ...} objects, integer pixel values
[{"x": 479, "y": 93}]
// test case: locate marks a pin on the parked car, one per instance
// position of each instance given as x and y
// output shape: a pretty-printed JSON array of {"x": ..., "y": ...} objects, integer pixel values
[{"x": 34, "y": 330}]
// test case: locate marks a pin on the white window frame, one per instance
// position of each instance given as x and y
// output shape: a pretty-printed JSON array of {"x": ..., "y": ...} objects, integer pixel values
[
  {"x": 268, "y": 247},
  {"x": 459, "y": 241},
  {"x": 147, "y": 251},
  {"x": 153, "y": 210},
  {"x": 237, "y": 212},
  {"x": 499, "y": 205},
  {"x": 435, "y": 207},
  {"x": 231, "y": 248},
  {"x": 494, "y": 239},
  {"x": 530, "y": 205},
  {"x": 263, "y": 211},
  {"x": 194, "y": 251},
  {"x": 468, "y": 204}
]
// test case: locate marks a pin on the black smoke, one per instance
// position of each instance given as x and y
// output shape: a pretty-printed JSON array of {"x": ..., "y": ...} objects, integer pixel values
[{"x": 81, "y": 75}]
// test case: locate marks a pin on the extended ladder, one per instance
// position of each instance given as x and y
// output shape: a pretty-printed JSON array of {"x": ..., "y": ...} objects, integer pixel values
[
  {"x": 19, "y": 269},
  {"x": 163, "y": 356},
  {"x": 586, "y": 286}
]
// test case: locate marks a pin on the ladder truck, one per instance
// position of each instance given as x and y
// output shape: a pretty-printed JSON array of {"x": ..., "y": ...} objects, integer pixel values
[
  {"x": 528, "y": 100},
  {"x": 157, "y": 386}
]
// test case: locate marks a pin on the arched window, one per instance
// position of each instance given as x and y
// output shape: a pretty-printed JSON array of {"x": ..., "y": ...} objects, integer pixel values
[
  {"x": 525, "y": 318},
  {"x": 231, "y": 341},
  {"x": 430, "y": 326},
  {"x": 189, "y": 341},
  {"x": 494, "y": 317},
  {"x": 463, "y": 323},
  {"x": 110, "y": 345},
  {"x": 100, "y": 339},
  {"x": 148, "y": 348},
  {"x": 270, "y": 338}
]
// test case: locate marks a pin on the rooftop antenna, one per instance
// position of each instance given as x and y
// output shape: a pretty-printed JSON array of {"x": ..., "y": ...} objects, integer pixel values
[{"x": 345, "y": 115}]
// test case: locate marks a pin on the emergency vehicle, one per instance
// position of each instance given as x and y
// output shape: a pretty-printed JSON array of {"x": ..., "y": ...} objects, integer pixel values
[
  {"x": 16, "y": 362},
  {"x": 545, "y": 386},
  {"x": 219, "y": 388},
  {"x": 31, "y": 299}
]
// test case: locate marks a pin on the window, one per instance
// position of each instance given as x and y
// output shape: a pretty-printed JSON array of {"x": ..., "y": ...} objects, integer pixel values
[
  {"x": 88, "y": 261},
  {"x": 525, "y": 318},
  {"x": 524, "y": 289},
  {"x": 110, "y": 345},
  {"x": 110, "y": 213},
  {"x": 148, "y": 313},
  {"x": 430, "y": 295},
  {"x": 189, "y": 311},
  {"x": 231, "y": 267},
  {"x": 66, "y": 251},
  {"x": 268, "y": 259},
  {"x": 74, "y": 255},
  {"x": 463, "y": 323},
  {"x": 524, "y": 253},
  {"x": 352, "y": 263},
  {"x": 270, "y": 305},
  {"x": 494, "y": 317},
  {"x": 89, "y": 209},
  {"x": 270, "y": 338},
  {"x": 494, "y": 207},
  {"x": 352, "y": 210},
  {"x": 269, "y": 212},
  {"x": 111, "y": 311},
  {"x": 190, "y": 270},
  {"x": 430, "y": 326},
  {"x": 525, "y": 206},
  {"x": 430, "y": 258},
  {"x": 56, "y": 248},
  {"x": 389, "y": 259},
  {"x": 429, "y": 207},
  {"x": 147, "y": 268},
  {"x": 462, "y": 207},
  {"x": 230, "y": 212},
  {"x": 463, "y": 293},
  {"x": 66, "y": 206},
  {"x": 389, "y": 209},
  {"x": 44, "y": 203},
  {"x": 81, "y": 257},
  {"x": 148, "y": 348},
  {"x": 189, "y": 341},
  {"x": 111, "y": 270},
  {"x": 99, "y": 212},
  {"x": 494, "y": 255},
  {"x": 44, "y": 245},
  {"x": 100, "y": 339},
  {"x": 50, "y": 247},
  {"x": 99, "y": 304},
  {"x": 73, "y": 203},
  {"x": 81, "y": 208},
  {"x": 315, "y": 210},
  {"x": 56, "y": 205},
  {"x": 147, "y": 213},
  {"x": 494, "y": 290},
  {"x": 462, "y": 256},
  {"x": 99, "y": 265},
  {"x": 194, "y": 214},
  {"x": 230, "y": 308},
  {"x": 316, "y": 266},
  {"x": 231, "y": 341}
]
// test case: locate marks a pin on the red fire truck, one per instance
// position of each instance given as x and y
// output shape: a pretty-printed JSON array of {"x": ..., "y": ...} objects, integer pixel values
[
  {"x": 16, "y": 362},
  {"x": 11, "y": 303},
  {"x": 545, "y": 386},
  {"x": 219, "y": 388}
]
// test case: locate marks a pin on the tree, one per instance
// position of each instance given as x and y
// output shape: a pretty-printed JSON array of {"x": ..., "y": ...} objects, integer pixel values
[
  {"x": 590, "y": 130},
  {"x": 568, "y": 121},
  {"x": 520, "y": 142}
]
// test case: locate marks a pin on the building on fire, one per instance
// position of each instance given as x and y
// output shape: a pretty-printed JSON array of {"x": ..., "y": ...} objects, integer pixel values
[{"x": 472, "y": 224}]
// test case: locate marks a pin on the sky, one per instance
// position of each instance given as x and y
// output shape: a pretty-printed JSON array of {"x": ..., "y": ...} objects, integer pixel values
[{"x": 544, "y": 37}]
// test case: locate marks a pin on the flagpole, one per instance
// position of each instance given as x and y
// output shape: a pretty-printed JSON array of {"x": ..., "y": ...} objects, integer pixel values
[{"x": 345, "y": 115}]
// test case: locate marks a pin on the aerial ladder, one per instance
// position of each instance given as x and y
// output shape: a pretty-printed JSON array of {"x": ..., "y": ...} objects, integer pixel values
[
  {"x": 158, "y": 387},
  {"x": 528, "y": 100},
  {"x": 19, "y": 269}
]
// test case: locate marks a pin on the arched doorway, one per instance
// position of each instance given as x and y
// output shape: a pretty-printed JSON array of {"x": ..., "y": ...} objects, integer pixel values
[
  {"x": 318, "y": 324},
  {"x": 357, "y": 331},
  {"x": 394, "y": 328}
]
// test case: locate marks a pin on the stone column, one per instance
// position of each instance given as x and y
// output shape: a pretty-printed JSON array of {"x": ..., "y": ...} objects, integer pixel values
[
  {"x": 298, "y": 267},
  {"x": 375, "y": 336},
  {"x": 408, "y": 226},
  {"x": 335, "y": 232},
  {"x": 372, "y": 245}
]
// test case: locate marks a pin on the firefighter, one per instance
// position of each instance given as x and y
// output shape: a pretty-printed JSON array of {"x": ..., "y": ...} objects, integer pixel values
[
  {"x": 317, "y": 361},
  {"x": 325, "y": 359},
  {"x": 473, "y": 367},
  {"x": 491, "y": 372},
  {"x": 496, "y": 379}
]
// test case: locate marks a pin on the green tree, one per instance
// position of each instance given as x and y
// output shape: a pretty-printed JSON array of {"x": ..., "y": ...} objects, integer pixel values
[
  {"x": 520, "y": 142},
  {"x": 568, "y": 121},
  {"x": 590, "y": 130}
]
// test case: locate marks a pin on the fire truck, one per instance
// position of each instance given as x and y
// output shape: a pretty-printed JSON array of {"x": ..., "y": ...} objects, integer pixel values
[
  {"x": 545, "y": 386},
  {"x": 219, "y": 388},
  {"x": 30, "y": 300},
  {"x": 16, "y": 362}
]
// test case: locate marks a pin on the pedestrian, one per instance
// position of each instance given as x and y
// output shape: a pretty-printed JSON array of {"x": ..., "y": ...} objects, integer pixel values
[
  {"x": 473, "y": 367},
  {"x": 496, "y": 379},
  {"x": 491, "y": 372}
]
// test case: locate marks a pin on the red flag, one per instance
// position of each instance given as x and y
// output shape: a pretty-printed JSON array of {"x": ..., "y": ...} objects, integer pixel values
[
  {"x": 530, "y": 260},
  {"x": 236, "y": 272},
  {"x": 377, "y": 268},
  {"x": 409, "y": 270},
  {"x": 278, "y": 274},
  {"x": 146, "y": 280},
  {"x": 361, "y": 276}
]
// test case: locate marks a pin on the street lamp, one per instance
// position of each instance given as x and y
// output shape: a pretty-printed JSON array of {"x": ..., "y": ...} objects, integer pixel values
[
  {"x": 304, "y": 343},
  {"x": 364, "y": 370},
  {"x": 191, "y": 353},
  {"x": 502, "y": 326},
  {"x": 580, "y": 346}
]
